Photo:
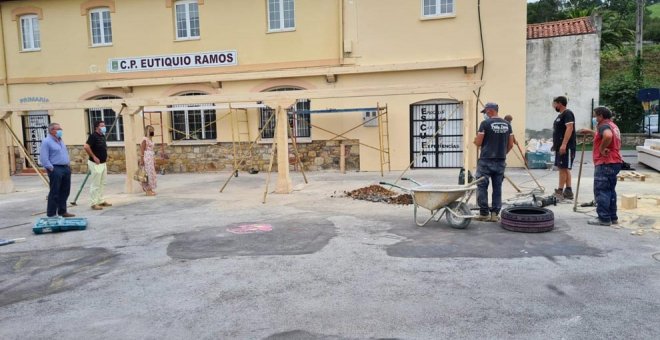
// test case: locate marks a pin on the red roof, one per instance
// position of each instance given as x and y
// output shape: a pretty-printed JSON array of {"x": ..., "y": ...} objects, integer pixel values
[{"x": 560, "y": 28}]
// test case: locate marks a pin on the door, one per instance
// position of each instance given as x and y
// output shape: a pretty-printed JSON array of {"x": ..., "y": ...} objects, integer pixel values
[
  {"x": 35, "y": 130},
  {"x": 441, "y": 150}
]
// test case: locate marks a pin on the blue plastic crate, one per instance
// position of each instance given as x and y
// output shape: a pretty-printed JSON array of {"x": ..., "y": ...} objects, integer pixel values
[{"x": 57, "y": 224}]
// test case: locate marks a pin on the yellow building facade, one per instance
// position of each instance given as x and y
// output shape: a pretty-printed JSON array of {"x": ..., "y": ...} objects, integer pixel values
[{"x": 431, "y": 63}]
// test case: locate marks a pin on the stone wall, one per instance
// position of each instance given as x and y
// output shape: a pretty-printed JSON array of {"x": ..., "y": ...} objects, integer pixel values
[{"x": 317, "y": 155}]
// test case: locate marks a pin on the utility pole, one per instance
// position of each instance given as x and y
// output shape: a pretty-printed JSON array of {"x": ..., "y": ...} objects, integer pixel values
[{"x": 639, "y": 36}]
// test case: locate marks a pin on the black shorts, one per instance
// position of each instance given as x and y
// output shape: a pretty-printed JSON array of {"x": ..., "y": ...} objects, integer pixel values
[{"x": 566, "y": 160}]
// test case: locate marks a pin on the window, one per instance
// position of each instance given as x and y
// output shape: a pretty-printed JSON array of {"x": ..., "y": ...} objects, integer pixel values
[
  {"x": 193, "y": 122},
  {"x": 100, "y": 26},
  {"x": 281, "y": 16},
  {"x": 30, "y": 33},
  {"x": 108, "y": 116},
  {"x": 299, "y": 121},
  {"x": 437, "y": 8},
  {"x": 187, "y": 20}
]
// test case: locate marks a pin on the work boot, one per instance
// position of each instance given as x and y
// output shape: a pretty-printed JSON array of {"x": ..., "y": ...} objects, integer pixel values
[
  {"x": 568, "y": 193},
  {"x": 483, "y": 218},
  {"x": 559, "y": 194},
  {"x": 105, "y": 204},
  {"x": 97, "y": 207},
  {"x": 597, "y": 221},
  {"x": 494, "y": 217}
]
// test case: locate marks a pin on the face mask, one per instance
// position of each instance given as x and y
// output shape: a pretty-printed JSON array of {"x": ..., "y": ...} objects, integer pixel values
[
  {"x": 59, "y": 133},
  {"x": 151, "y": 133},
  {"x": 103, "y": 130},
  {"x": 485, "y": 116},
  {"x": 594, "y": 121}
]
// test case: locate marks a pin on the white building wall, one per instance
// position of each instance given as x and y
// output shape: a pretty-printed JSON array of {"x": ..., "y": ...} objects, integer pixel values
[{"x": 561, "y": 66}]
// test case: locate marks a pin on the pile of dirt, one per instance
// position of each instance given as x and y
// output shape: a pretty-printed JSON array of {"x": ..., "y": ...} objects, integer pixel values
[{"x": 377, "y": 193}]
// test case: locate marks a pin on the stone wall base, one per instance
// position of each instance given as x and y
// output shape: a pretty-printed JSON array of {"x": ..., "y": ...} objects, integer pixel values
[{"x": 317, "y": 155}]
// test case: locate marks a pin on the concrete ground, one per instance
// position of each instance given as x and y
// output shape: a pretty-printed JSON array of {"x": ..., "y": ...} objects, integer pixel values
[{"x": 316, "y": 265}]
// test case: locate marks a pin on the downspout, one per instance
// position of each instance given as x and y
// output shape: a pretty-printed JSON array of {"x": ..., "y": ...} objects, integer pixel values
[
  {"x": 6, "y": 85},
  {"x": 341, "y": 32}
]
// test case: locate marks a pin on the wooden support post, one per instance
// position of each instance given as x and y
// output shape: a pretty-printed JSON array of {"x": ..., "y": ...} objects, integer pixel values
[
  {"x": 283, "y": 178},
  {"x": 130, "y": 147},
  {"x": 6, "y": 184},
  {"x": 342, "y": 158}
]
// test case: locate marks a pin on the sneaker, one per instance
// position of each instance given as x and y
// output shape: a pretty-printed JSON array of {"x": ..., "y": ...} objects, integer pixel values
[
  {"x": 97, "y": 207},
  {"x": 559, "y": 194},
  {"x": 105, "y": 204},
  {"x": 597, "y": 221},
  {"x": 67, "y": 215},
  {"x": 494, "y": 217},
  {"x": 568, "y": 193},
  {"x": 483, "y": 218}
]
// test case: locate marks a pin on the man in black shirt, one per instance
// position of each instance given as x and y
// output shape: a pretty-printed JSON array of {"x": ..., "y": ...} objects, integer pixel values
[
  {"x": 564, "y": 146},
  {"x": 97, "y": 149},
  {"x": 495, "y": 138}
]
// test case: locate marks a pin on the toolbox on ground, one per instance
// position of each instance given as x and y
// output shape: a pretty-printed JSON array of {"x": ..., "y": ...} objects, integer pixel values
[
  {"x": 538, "y": 160},
  {"x": 58, "y": 224}
]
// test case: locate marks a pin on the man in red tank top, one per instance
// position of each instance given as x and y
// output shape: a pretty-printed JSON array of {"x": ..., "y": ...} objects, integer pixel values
[{"x": 607, "y": 159}]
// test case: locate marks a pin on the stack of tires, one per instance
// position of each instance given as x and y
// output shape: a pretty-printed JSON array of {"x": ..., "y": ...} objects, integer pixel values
[{"x": 527, "y": 219}]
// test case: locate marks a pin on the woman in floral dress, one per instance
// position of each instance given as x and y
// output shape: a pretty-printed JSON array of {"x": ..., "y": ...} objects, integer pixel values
[{"x": 147, "y": 161}]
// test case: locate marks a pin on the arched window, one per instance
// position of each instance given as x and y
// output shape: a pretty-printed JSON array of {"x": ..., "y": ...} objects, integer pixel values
[
  {"x": 114, "y": 124},
  {"x": 30, "y": 33},
  {"x": 193, "y": 121},
  {"x": 299, "y": 118}
]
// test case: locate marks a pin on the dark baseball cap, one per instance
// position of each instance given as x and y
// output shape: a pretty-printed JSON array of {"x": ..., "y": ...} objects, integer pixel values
[{"x": 491, "y": 106}]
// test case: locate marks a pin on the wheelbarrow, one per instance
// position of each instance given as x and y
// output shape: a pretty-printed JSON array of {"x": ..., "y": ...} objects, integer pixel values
[{"x": 441, "y": 199}]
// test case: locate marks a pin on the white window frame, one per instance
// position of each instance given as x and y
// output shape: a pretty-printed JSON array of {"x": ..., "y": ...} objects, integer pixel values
[
  {"x": 438, "y": 9},
  {"x": 114, "y": 137},
  {"x": 210, "y": 126},
  {"x": 188, "y": 31},
  {"x": 106, "y": 40},
  {"x": 280, "y": 13},
  {"x": 33, "y": 33}
]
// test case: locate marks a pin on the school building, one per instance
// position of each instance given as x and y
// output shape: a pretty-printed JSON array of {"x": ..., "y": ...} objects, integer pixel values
[{"x": 365, "y": 85}]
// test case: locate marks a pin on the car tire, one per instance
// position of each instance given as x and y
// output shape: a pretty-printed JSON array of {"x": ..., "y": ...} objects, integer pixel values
[{"x": 527, "y": 219}]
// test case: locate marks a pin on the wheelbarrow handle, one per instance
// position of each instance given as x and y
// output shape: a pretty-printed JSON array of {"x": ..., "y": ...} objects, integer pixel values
[
  {"x": 410, "y": 179},
  {"x": 476, "y": 181},
  {"x": 394, "y": 185}
]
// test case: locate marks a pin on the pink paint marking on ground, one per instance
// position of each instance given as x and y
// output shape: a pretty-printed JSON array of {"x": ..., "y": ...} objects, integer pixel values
[{"x": 250, "y": 229}]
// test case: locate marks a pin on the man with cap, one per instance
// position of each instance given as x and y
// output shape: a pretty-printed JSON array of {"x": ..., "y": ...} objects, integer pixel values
[{"x": 495, "y": 137}]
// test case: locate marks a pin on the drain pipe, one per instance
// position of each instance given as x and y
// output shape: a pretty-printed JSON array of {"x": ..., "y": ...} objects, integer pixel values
[{"x": 12, "y": 155}]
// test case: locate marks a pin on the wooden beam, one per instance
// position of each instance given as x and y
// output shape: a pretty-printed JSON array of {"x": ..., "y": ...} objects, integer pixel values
[
  {"x": 130, "y": 148},
  {"x": 6, "y": 184},
  {"x": 359, "y": 92},
  {"x": 296, "y": 72}
]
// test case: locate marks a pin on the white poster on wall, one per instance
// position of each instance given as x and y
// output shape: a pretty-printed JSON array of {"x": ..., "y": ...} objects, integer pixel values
[{"x": 173, "y": 61}]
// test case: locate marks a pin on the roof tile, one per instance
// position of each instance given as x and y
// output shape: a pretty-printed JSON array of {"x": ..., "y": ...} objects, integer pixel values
[{"x": 560, "y": 28}]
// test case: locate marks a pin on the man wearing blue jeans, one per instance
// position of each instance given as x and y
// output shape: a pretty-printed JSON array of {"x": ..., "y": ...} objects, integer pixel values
[
  {"x": 608, "y": 160},
  {"x": 495, "y": 137},
  {"x": 55, "y": 158}
]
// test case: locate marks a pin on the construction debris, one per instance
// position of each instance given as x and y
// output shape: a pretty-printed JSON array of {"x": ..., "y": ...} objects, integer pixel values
[
  {"x": 377, "y": 193},
  {"x": 631, "y": 175}
]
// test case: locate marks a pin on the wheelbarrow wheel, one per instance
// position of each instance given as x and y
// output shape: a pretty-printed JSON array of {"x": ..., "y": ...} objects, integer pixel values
[{"x": 459, "y": 222}]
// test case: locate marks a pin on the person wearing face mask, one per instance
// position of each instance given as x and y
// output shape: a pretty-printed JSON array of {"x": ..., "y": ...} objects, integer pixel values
[
  {"x": 54, "y": 156},
  {"x": 97, "y": 149},
  {"x": 564, "y": 145},
  {"x": 495, "y": 138},
  {"x": 147, "y": 161},
  {"x": 608, "y": 160}
]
